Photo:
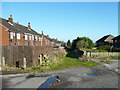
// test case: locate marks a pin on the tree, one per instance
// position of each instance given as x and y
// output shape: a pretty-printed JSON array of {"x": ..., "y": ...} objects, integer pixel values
[
  {"x": 68, "y": 43},
  {"x": 82, "y": 42}
]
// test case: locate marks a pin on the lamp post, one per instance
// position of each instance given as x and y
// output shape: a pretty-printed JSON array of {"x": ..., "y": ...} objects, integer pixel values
[{"x": 111, "y": 48}]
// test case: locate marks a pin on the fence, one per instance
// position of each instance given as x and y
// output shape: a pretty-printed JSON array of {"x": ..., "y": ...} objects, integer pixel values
[
  {"x": 90, "y": 54},
  {"x": 23, "y": 55}
]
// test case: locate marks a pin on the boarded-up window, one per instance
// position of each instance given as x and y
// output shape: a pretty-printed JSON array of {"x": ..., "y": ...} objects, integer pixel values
[
  {"x": 26, "y": 37},
  {"x": 18, "y": 36},
  {"x": 11, "y": 35}
]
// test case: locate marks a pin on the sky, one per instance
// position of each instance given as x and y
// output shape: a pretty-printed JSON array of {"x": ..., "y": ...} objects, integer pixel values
[{"x": 66, "y": 20}]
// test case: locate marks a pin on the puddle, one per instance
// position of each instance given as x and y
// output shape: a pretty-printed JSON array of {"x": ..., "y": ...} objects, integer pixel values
[
  {"x": 49, "y": 82},
  {"x": 91, "y": 74}
]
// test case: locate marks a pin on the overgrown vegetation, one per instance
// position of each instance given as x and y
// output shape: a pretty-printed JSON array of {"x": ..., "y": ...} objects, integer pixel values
[
  {"x": 109, "y": 57},
  {"x": 74, "y": 48},
  {"x": 108, "y": 48},
  {"x": 65, "y": 63}
]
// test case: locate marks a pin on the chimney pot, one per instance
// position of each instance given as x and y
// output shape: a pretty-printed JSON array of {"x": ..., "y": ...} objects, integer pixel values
[
  {"x": 10, "y": 16},
  {"x": 10, "y": 19},
  {"x": 29, "y": 27}
]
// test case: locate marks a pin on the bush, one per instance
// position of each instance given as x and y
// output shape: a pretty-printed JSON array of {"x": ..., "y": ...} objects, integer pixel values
[
  {"x": 75, "y": 54},
  {"x": 36, "y": 68},
  {"x": 105, "y": 47},
  {"x": 115, "y": 49}
]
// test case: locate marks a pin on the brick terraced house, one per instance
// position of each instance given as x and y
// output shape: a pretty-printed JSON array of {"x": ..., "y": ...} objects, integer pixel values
[{"x": 16, "y": 34}]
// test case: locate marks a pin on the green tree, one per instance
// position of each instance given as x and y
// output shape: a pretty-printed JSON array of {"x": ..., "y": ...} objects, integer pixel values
[
  {"x": 68, "y": 43},
  {"x": 82, "y": 42},
  {"x": 74, "y": 43}
]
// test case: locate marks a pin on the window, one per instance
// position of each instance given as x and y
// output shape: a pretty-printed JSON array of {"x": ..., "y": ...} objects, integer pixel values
[
  {"x": 36, "y": 38},
  {"x": 47, "y": 42},
  {"x": 39, "y": 38},
  {"x": 115, "y": 40},
  {"x": 26, "y": 37},
  {"x": 18, "y": 36},
  {"x": 11, "y": 35},
  {"x": 30, "y": 38}
]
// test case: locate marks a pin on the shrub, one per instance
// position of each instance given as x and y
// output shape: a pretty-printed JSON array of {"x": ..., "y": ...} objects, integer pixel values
[{"x": 105, "y": 47}]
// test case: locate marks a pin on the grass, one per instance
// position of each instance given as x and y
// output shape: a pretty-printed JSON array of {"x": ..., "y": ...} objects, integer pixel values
[{"x": 65, "y": 63}]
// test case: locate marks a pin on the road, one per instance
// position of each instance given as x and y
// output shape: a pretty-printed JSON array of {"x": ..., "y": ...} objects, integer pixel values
[{"x": 103, "y": 76}]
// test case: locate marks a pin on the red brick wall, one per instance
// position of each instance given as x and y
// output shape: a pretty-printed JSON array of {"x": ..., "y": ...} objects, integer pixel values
[
  {"x": 7, "y": 41},
  {"x": 5, "y": 35}
]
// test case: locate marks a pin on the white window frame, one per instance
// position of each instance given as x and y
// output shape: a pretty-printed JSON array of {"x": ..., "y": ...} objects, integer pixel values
[
  {"x": 26, "y": 37},
  {"x": 18, "y": 35},
  {"x": 39, "y": 39},
  {"x": 30, "y": 37},
  {"x": 36, "y": 38},
  {"x": 11, "y": 35}
]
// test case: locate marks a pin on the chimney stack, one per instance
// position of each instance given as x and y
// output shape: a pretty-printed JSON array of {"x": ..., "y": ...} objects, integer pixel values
[
  {"x": 29, "y": 27},
  {"x": 10, "y": 19}
]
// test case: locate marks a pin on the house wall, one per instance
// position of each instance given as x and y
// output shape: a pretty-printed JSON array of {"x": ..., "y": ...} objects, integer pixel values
[
  {"x": 103, "y": 43},
  {"x": 5, "y": 35},
  {"x": 116, "y": 43},
  {"x": 6, "y": 39}
]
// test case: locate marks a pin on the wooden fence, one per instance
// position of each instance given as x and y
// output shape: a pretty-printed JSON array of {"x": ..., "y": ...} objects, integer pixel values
[{"x": 12, "y": 55}]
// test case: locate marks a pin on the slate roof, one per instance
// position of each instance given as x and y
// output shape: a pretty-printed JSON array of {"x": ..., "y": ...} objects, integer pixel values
[
  {"x": 18, "y": 28},
  {"x": 53, "y": 39},
  {"x": 107, "y": 38},
  {"x": 116, "y": 38},
  {"x": 23, "y": 29}
]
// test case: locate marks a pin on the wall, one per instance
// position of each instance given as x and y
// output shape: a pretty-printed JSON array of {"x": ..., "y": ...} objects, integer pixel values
[
  {"x": 18, "y": 53},
  {"x": 5, "y": 35},
  {"x": 12, "y": 54}
]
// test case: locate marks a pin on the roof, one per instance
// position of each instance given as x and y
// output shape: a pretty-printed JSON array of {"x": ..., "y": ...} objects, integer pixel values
[
  {"x": 107, "y": 38},
  {"x": 53, "y": 39},
  {"x": 116, "y": 38},
  {"x": 17, "y": 27}
]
